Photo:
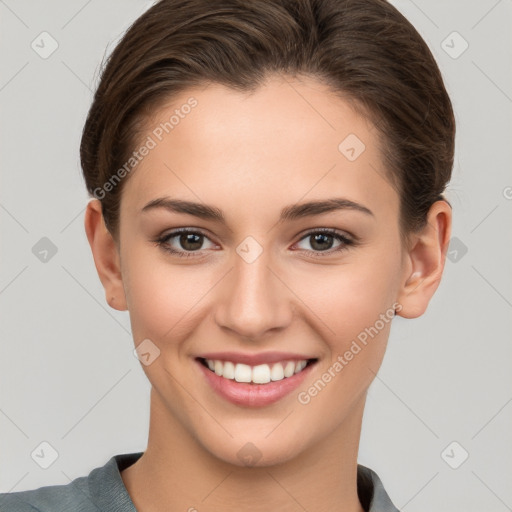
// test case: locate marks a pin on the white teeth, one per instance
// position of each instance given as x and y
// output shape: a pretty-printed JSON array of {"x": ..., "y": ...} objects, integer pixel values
[
  {"x": 242, "y": 372},
  {"x": 229, "y": 370},
  {"x": 260, "y": 374},
  {"x": 277, "y": 372},
  {"x": 300, "y": 365},
  {"x": 289, "y": 369}
]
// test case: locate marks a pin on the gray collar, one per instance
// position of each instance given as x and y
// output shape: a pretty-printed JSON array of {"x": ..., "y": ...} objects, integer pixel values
[{"x": 371, "y": 492}]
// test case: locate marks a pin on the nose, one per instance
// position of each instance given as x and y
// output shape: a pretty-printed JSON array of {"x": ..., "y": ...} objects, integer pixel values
[{"x": 253, "y": 299}]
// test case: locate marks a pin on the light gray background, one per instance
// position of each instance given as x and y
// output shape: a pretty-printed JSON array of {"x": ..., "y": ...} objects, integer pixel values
[{"x": 67, "y": 372}]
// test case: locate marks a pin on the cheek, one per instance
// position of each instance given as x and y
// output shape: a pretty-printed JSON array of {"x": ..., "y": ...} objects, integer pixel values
[
  {"x": 353, "y": 297},
  {"x": 162, "y": 297},
  {"x": 358, "y": 307}
]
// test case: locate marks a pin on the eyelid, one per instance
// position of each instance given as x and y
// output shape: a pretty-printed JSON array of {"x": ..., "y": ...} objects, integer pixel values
[
  {"x": 329, "y": 231},
  {"x": 346, "y": 239},
  {"x": 164, "y": 237}
]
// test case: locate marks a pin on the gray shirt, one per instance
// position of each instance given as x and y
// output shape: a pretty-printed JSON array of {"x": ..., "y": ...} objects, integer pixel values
[{"x": 103, "y": 490}]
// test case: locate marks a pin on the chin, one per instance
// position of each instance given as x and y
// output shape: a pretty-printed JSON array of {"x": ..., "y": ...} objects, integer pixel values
[{"x": 256, "y": 453}]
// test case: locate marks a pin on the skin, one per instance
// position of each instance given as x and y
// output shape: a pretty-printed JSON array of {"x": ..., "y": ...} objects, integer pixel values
[{"x": 275, "y": 147}]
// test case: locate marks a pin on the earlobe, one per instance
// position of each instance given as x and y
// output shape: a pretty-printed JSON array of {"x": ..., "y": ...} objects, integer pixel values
[
  {"x": 426, "y": 257},
  {"x": 106, "y": 255}
]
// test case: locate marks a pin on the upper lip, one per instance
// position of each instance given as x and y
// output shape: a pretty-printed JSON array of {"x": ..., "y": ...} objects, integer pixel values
[{"x": 255, "y": 359}]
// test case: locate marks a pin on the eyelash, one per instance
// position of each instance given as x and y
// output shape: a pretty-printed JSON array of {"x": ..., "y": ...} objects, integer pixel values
[{"x": 162, "y": 242}]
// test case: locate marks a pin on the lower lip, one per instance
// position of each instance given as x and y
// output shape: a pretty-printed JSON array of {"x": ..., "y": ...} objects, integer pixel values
[{"x": 254, "y": 395}]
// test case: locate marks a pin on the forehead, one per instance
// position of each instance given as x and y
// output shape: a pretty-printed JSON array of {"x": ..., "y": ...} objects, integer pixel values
[{"x": 287, "y": 141}]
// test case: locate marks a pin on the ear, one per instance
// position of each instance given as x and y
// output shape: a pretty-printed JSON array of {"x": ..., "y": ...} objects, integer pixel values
[
  {"x": 424, "y": 261},
  {"x": 106, "y": 256}
]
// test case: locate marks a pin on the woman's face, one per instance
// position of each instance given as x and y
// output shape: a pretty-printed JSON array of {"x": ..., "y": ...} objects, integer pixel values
[{"x": 259, "y": 278}]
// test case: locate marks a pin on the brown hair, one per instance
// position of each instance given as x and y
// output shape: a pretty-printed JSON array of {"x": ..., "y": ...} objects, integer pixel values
[{"x": 364, "y": 50}]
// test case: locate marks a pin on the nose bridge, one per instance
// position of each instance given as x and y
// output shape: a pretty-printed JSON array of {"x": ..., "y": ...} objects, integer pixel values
[{"x": 255, "y": 300}]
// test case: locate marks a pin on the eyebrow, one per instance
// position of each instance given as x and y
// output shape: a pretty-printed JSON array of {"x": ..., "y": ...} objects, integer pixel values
[{"x": 291, "y": 212}]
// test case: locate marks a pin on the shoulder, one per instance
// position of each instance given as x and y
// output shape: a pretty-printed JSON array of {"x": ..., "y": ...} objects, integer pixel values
[
  {"x": 52, "y": 498},
  {"x": 102, "y": 489},
  {"x": 371, "y": 491}
]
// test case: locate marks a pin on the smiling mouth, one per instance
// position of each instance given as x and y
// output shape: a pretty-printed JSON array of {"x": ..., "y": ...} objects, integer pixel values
[{"x": 259, "y": 374}]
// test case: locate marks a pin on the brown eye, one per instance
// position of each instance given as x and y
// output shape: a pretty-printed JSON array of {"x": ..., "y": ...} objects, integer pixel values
[
  {"x": 322, "y": 241},
  {"x": 190, "y": 241},
  {"x": 183, "y": 242}
]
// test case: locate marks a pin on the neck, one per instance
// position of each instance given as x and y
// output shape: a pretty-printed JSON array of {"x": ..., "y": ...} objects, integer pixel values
[{"x": 177, "y": 473}]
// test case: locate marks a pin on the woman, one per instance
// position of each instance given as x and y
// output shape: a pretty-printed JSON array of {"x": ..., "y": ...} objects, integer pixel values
[{"x": 267, "y": 182}]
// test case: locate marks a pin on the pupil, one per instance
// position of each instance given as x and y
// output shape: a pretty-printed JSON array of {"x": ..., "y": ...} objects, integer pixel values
[
  {"x": 318, "y": 238},
  {"x": 190, "y": 238}
]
